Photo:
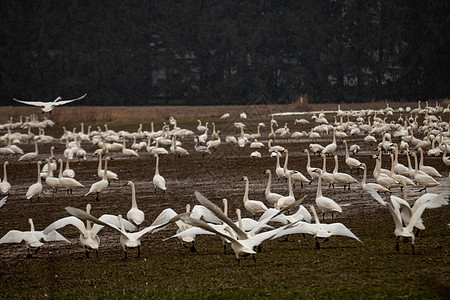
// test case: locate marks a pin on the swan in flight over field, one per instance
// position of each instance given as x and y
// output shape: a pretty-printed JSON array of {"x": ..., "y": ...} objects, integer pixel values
[
  {"x": 32, "y": 238},
  {"x": 88, "y": 233},
  {"x": 49, "y": 106}
]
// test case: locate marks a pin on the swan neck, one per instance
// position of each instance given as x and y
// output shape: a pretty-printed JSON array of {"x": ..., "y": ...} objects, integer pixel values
[
  {"x": 5, "y": 176},
  {"x": 157, "y": 165},
  {"x": 246, "y": 191},
  {"x": 60, "y": 169},
  {"x": 316, "y": 217},
  {"x": 319, "y": 186},
  {"x": 269, "y": 182},
  {"x": 105, "y": 171},
  {"x": 133, "y": 196},
  {"x": 39, "y": 173}
]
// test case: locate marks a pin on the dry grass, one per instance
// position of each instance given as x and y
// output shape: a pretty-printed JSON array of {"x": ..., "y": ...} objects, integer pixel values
[{"x": 127, "y": 114}]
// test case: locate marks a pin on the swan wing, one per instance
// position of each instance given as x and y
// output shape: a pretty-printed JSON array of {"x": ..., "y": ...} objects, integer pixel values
[
  {"x": 81, "y": 214},
  {"x": 261, "y": 237},
  {"x": 216, "y": 210},
  {"x": 57, "y": 103},
  {"x": 415, "y": 218},
  {"x": 432, "y": 200},
  {"x": 164, "y": 217},
  {"x": 64, "y": 222},
  {"x": 34, "y": 103},
  {"x": 274, "y": 213},
  {"x": 114, "y": 220},
  {"x": 340, "y": 229},
  {"x": 54, "y": 236},
  {"x": 203, "y": 225},
  {"x": 300, "y": 227},
  {"x": 374, "y": 194},
  {"x": 14, "y": 236},
  {"x": 3, "y": 201},
  {"x": 191, "y": 231},
  {"x": 199, "y": 211},
  {"x": 395, "y": 216}
]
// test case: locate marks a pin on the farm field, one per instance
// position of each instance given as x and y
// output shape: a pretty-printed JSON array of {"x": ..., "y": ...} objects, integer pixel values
[{"x": 342, "y": 268}]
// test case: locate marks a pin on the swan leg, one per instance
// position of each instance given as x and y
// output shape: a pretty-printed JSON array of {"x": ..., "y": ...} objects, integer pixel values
[
  {"x": 224, "y": 248},
  {"x": 125, "y": 254},
  {"x": 192, "y": 248},
  {"x": 397, "y": 246},
  {"x": 96, "y": 197},
  {"x": 254, "y": 257},
  {"x": 29, "y": 254},
  {"x": 86, "y": 251},
  {"x": 417, "y": 232},
  {"x": 96, "y": 252},
  {"x": 317, "y": 243},
  {"x": 412, "y": 247},
  {"x": 139, "y": 248},
  {"x": 259, "y": 249}
]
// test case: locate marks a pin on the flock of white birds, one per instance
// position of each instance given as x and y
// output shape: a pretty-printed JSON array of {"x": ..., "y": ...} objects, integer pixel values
[{"x": 271, "y": 218}]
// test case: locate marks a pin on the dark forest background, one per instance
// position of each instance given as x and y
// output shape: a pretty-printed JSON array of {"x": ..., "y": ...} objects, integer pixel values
[{"x": 198, "y": 52}]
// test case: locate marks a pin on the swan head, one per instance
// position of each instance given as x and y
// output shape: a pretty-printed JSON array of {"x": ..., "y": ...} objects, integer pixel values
[
  {"x": 363, "y": 165},
  {"x": 6, "y": 163},
  {"x": 267, "y": 171},
  {"x": 130, "y": 183},
  {"x": 244, "y": 178}
]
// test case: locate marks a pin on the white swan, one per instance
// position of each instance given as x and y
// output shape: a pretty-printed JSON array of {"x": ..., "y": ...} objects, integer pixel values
[
  {"x": 279, "y": 171},
  {"x": 318, "y": 230},
  {"x": 326, "y": 176},
  {"x": 101, "y": 185},
  {"x": 271, "y": 197},
  {"x": 88, "y": 233},
  {"x": 158, "y": 181},
  {"x": 5, "y": 186},
  {"x": 177, "y": 150},
  {"x": 30, "y": 155},
  {"x": 325, "y": 204},
  {"x": 127, "y": 239},
  {"x": 398, "y": 167},
  {"x": 242, "y": 243},
  {"x": 200, "y": 148},
  {"x": 50, "y": 180},
  {"x": 32, "y": 238},
  {"x": 427, "y": 169},
  {"x": 423, "y": 179},
  {"x": 286, "y": 200},
  {"x": 110, "y": 175},
  {"x": 351, "y": 162},
  {"x": 296, "y": 176},
  {"x": 377, "y": 188},
  {"x": 66, "y": 182},
  {"x": 406, "y": 232},
  {"x": 49, "y": 106},
  {"x": 309, "y": 169},
  {"x": 36, "y": 188},
  {"x": 134, "y": 215},
  {"x": 53, "y": 164},
  {"x": 68, "y": 172},
  {"x": 252, "y": 206},
  {"x": 128, "y": 152},
  {"x": 342, "y": 178},
  {"x": 331, "y": 148}
]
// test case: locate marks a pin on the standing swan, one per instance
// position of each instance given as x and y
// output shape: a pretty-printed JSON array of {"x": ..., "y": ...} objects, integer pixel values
[
  {"x": 325, "y": 204},
  {"x": 252, "y": 206},
  {"x": 30, "y": 155},
  {"x": 134, "y": 215},
  {"x": 36, "y": 188},
  {"x": 101, "y": 185},
  {"x": 158, "y": 181},
  {"x": 68, "y": 183},
  {"x": 5, "y": 186},
  {"x": 272, "y": 198}
]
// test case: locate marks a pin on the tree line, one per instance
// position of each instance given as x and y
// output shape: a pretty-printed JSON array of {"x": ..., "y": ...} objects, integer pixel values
[{"x": 198, "y": 52}]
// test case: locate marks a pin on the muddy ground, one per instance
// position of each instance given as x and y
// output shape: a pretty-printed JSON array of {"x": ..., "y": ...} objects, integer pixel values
[{"x": 217, "y": 176}]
